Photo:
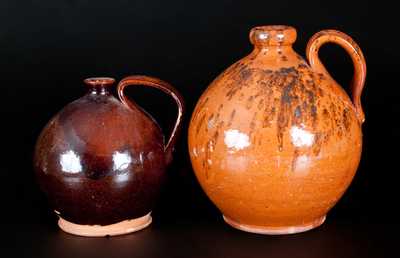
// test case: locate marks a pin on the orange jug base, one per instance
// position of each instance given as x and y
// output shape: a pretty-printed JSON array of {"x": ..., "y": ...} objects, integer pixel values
[{"x": 265, "y": 230}]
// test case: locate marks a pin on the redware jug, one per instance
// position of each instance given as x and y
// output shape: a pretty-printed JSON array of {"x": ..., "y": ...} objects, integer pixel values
[
  {"x": 101, "y": 161},
  {"x": 274, "y": 141}
]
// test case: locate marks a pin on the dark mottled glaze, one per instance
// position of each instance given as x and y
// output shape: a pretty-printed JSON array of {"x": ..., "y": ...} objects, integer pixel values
[
  {"x": 101, "y": 161},
  {"x": 272, "y": 131}
]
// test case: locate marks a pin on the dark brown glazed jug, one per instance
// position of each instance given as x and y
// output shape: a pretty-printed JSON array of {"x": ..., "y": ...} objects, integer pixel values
[{"x": 101, "y": 162}]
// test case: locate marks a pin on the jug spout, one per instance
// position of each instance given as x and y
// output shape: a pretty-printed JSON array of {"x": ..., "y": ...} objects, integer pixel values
[
  {"x": 273, "y": 35},
  {"x": 99, "y": 85}
]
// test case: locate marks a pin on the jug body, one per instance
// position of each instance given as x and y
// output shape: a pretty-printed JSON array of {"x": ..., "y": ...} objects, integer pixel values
[
  {"x": 275, "y": 142},
  {"x": 101, "y": 164}
]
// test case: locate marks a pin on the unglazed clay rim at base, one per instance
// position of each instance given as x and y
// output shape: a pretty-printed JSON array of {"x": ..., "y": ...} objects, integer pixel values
[
  {"x": 275, "y": 230},
  {"x": 120, "y": 228}
]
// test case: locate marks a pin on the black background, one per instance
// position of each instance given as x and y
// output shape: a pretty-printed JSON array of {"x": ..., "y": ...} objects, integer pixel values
[{"x": 48, "y": 47}]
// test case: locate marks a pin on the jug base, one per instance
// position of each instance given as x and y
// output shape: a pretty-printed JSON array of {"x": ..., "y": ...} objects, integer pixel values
[
  {"x": 119, "y": 228},
  {"x": 275, "y": 230}
]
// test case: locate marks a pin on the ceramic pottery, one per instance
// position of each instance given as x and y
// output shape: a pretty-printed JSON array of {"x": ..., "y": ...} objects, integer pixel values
[
  {"x": 274, "y": 141},
  {"x": 101, "y": 162}
]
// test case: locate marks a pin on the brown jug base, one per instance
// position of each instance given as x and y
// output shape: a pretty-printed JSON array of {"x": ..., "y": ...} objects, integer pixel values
[
  {"x": 120, "y": 228},
  {"x": 275, "y": 230}
]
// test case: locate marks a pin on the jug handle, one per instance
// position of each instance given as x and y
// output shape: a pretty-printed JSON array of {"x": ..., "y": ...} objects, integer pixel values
[
  {"x": 352, "y": 48},
  {"x": 167, "y": 88}
]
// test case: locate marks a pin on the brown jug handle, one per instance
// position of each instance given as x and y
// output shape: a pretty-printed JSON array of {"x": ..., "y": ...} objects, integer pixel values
[
  {"x": 167, "y": 88},
  {"x": 360, "y": 68}
]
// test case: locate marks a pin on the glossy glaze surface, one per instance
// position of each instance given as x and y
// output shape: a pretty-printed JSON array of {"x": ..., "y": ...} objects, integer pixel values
[
  {"x": 101, "y": 161},
  {"x": 275, "y": 141}
]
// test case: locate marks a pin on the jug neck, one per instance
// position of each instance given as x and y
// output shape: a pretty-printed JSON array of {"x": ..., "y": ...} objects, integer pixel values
[
  {"x": 99, "y": 85},
  {"x": 274, "y": 50}
]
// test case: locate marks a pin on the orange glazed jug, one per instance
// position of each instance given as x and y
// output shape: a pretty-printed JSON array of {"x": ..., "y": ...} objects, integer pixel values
[{"x": 275, "y": 141}]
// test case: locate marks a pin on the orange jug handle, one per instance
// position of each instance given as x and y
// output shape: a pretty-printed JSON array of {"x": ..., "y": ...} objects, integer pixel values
[
  {"x": 167, "y": 88},
  {"x": 351, "y": 47}
]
